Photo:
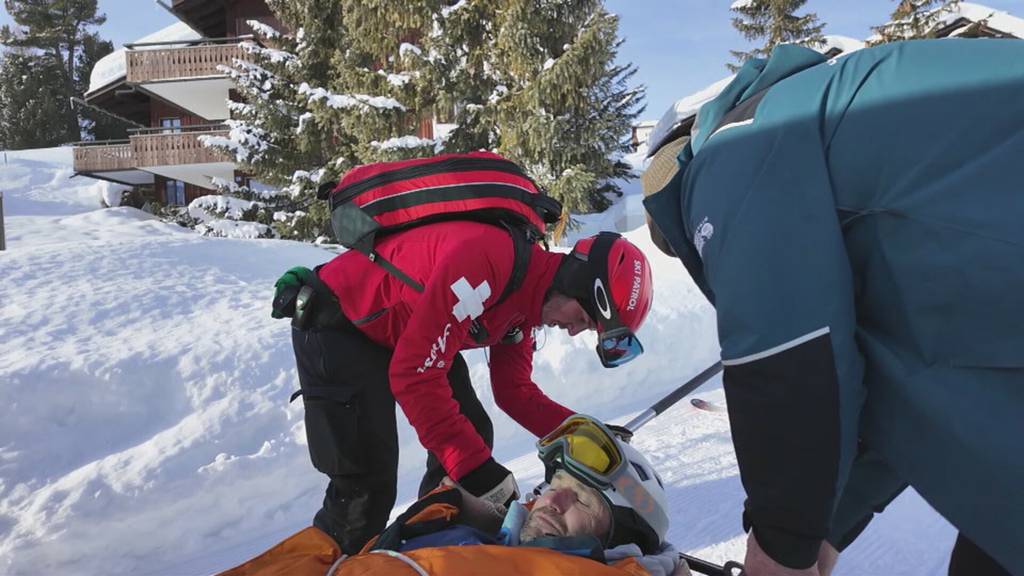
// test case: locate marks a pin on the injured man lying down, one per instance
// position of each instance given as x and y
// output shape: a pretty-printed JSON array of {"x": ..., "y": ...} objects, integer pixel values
[{"x": 602, "y": 511}]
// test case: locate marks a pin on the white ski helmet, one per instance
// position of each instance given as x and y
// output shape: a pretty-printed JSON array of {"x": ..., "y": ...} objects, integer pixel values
[
  {"x": 629, "y": 484},
  {"x": 640, "y": 517}
]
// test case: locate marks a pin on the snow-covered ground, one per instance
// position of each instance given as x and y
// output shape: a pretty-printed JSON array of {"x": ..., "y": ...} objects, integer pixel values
[{"x": 144, "y": 419}]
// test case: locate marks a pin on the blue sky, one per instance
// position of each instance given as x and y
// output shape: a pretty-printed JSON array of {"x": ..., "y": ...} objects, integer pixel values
[{"x": 679, "y": 46}]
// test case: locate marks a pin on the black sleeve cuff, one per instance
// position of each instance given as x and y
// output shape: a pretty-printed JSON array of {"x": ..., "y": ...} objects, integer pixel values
[
  {"x": 784, "y": 414},
  {"x": 484, "y": 477},
  {"x": 796, "y": 552}
]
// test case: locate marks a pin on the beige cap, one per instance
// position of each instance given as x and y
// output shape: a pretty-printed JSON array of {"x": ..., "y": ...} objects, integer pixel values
[
  {"x": 663, "y": 166},
  {"x": 660, "y": 171}
]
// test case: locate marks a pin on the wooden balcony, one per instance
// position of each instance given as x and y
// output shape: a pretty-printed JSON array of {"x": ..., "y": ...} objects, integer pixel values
[
  {"x": 175, "y": 149},
  {"x": 180, "y": 63},
  {"x": 103, "y": 157}
]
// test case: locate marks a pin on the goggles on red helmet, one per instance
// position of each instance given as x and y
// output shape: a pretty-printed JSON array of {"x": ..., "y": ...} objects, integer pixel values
[{"x": 616, "y": 343}]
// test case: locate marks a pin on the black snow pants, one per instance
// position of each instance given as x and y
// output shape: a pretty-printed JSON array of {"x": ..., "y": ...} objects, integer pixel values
[
  {"x": 351, "y": 428},
  {"x": 970, "y": 560}
]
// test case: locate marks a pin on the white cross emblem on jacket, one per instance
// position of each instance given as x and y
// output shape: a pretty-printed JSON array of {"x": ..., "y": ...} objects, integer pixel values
[{"x": 471, "y": 300}]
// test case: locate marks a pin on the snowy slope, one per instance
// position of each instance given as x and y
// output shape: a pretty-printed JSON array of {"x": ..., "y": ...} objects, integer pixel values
[{"x": 144, "y": 417}]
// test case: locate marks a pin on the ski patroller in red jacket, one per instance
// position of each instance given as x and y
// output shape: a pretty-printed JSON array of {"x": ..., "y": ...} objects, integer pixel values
[{"x": 463, "y": 267}]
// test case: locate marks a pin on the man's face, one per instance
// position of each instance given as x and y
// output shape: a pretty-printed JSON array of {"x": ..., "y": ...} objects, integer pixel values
[
  {"x": 567, "y": 508},
  {"x": 566, "y": 313}
]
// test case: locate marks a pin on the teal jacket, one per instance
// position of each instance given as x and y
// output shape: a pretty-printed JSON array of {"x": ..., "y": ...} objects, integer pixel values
[{"x": 858, "y": 224}]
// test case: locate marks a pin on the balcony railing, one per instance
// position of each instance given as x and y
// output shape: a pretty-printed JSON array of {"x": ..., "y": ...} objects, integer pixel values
[
  {"x": 103, "y": 157},
  {"x": 181, "y": 63},
  {"x": 150, "y": 147},
  {"x": 176, "y": 148}
]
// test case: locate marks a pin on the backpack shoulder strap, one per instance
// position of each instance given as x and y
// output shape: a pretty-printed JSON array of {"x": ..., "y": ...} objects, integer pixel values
[
  {"x": 394, "y": 271},
  {"x": 520, "y": 262}
]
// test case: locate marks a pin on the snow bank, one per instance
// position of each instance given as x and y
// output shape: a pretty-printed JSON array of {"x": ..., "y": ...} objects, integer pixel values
[
  {"x": 144, "y": 418},
  {"x": 114, "y": 66},
  {"x": 39, "y": 182}
]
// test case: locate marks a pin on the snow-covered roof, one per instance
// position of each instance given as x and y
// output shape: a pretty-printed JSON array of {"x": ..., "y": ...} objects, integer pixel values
[
  {"x": 845, "y": 44},
  {"x": 683, "y": 109},
  {"x": 114, "y": 66},
  {"x": 997, "y": 19}
]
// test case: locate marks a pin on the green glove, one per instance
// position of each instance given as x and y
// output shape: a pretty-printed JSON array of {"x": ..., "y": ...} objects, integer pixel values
[{"x": 287, "y": 288}]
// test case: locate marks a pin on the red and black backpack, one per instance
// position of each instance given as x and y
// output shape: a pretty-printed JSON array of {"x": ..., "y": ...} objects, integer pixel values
[{"x": 374, "y": 200}]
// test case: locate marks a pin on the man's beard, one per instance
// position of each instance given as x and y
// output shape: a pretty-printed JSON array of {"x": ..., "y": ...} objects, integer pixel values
[{"x": 544, "y": 521}]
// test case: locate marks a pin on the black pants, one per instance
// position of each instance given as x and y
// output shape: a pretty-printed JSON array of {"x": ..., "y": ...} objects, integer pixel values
[
  {"x": 969, "y": 560},
  {"x": 351, "y": 429}
]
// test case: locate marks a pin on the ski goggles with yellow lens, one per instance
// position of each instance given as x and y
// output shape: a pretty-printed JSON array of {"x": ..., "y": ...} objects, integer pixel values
[{"x": 584, "y": 447}]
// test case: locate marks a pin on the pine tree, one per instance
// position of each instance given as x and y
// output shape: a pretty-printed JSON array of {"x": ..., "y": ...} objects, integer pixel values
[
  {"x": 271, "y": 135},
  {"x": 57, "y": 29},
  {"x": 30, "y": 117},
  {"x": 235, "y": 212},
  {"x": 913, "y": 19},
  {"x": 354, "y": 79},
  {"x": 330, "y": 96},
  {"x": 776, "y": 22},
  {"x": 538, "y": 83}
]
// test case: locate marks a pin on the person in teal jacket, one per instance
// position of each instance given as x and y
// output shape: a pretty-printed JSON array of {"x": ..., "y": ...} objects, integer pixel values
[{"x": 858, "y": 224}]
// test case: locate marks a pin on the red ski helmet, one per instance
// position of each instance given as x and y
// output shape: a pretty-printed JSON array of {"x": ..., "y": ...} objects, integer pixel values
[{"x": 611, "y": 279}]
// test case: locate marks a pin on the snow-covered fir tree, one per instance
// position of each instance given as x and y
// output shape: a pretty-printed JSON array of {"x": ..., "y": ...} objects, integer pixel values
[
  {"x": 538, "y": 82},
  {"x": 30, "y": 116},
  {"x": 58, "y": 32},
  {"x": 328, "y": 93},
  {"x": 236, "y": 211},
  {"x": 913, "y": 19},
  {"x": 775, "y": 22},
  {"x": 349, "y": 82}
]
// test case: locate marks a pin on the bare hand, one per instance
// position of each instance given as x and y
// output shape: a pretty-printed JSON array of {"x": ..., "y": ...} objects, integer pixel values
[
  {"x": 827, "y": 558},
  {"x": 682, "y": 569},
  {"x": 758, "y": 563}
]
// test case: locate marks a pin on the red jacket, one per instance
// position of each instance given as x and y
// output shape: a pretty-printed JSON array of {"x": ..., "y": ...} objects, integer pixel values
[{"x": 463, "y": 267}]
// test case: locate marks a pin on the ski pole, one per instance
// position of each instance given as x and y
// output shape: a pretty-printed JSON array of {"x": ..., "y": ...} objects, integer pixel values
[
  {"x": 673, "y": 397},
  {"x": 705, "y": 567}
]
